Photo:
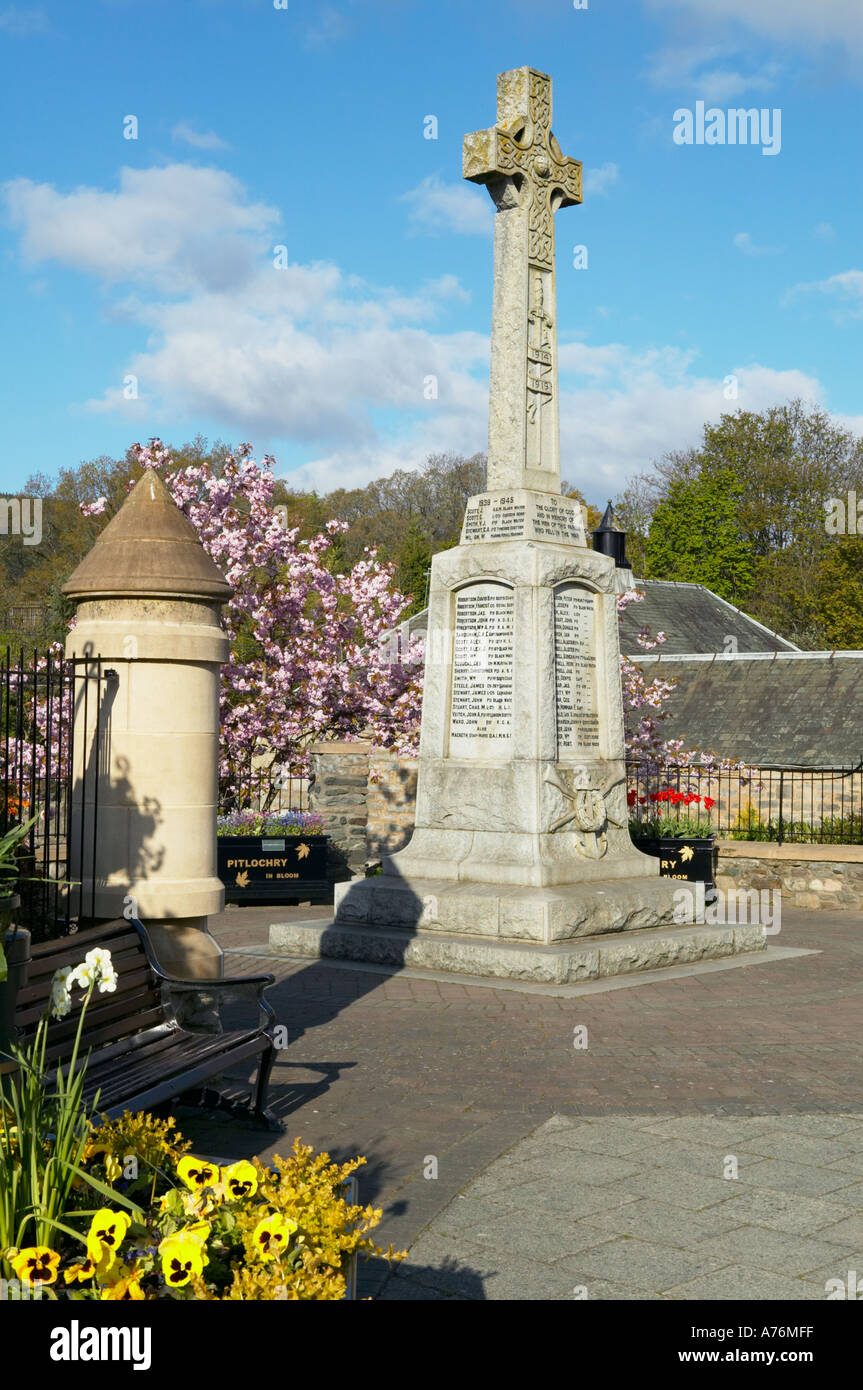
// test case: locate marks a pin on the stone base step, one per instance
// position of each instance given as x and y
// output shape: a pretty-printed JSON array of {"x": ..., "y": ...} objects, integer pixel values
[
  {"x": 588, "y": 958},
  {"x": 510, "y": 911}
]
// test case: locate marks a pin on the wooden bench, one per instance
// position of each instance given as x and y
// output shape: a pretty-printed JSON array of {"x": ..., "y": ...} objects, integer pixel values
[{"x": 140, "y": 1053}]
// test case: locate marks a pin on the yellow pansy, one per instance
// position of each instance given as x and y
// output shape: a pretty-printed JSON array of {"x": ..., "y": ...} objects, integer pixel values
[
  {"x": 127, "y": 1286},
  {"x": 182, "y": 1256},
  {"x": 271, "y": 1235},
  {"x": 199, "y": 1231},
  {"x": 195, "y": 1173},
  {"x": 106, "y": 1234},
  {"x": 36, "y": 1264},
  {"x": 240, "y": 1180},
  {"x": 78, "y": 1273},
  {"x": 113, "y": 1169}
]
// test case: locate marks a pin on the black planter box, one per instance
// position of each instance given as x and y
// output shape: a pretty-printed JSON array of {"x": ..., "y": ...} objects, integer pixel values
[
  {"x": 693, "y": 860},
  {"x": 274, "y": 869}
]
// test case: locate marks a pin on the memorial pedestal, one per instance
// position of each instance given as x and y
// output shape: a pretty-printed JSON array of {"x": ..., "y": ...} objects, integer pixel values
[
  {"x": 521, "y": 863},
  {"x": 521, "y": 769}
]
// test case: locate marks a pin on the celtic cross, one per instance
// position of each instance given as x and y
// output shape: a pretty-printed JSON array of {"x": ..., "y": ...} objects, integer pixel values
[{"x": 528, "y": 177}]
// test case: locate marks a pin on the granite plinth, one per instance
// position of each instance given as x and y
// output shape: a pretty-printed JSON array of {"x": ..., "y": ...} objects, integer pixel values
[
  {"x": 509, "y": 912},
  {"x": 592, "y": 958}
]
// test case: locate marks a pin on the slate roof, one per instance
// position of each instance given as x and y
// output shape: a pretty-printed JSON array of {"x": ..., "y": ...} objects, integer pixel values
[
  {"x": 695, "y": 620},
  {"x": 791, "y": 709}
]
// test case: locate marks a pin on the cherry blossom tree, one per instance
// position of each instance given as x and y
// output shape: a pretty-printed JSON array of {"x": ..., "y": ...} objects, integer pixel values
[{"x": 309, "y": 657}]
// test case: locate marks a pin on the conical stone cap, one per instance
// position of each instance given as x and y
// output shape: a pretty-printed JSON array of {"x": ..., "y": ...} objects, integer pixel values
[
  {"x": 609, "y": 521},
  {"x": 149, "y": 549}
]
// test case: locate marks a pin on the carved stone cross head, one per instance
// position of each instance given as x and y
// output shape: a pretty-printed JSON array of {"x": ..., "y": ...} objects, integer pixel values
[{"x": 521, "y": 151}]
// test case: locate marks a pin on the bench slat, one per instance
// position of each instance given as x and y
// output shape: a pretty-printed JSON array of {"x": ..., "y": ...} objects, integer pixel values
[
  {"x": 69, "y": 950},
  {"x": 138, "y": 986},
  {"x": 120, "y": 1028},
  {"x": 39, "y": 985},
  {"x": 172, "y": 1062},
  {"x": 159, "y": 1035},
  {"x": 171, "y": 1087}
]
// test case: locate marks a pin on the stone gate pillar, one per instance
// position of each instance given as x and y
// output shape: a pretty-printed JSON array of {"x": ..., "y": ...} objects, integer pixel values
[{"x": 146, "y": 738}]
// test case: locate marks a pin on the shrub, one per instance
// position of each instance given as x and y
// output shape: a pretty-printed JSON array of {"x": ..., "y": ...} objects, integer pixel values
[{"x": 243, "y": 1231}]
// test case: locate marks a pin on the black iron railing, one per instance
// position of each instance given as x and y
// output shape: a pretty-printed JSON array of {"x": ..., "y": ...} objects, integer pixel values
[
  {"x": 43, "y": 698},
  {"x": 265, "y": 784},
  {"x": 818, "y": 805}
]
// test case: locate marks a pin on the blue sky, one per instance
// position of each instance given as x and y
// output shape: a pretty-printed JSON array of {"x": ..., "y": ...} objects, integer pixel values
[{"x": 304, "y": 127}]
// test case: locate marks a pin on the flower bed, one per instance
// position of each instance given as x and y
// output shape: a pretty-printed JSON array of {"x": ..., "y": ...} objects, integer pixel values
[
  {"x": 173, "y": 1226},
  {"x": 273, "y": 858},
  {"x": 663, "y": 825},
  {"x": 120, "y": 1210},
  {"x": 652, "y": 816},
  {"x": 275, "y": 823}
]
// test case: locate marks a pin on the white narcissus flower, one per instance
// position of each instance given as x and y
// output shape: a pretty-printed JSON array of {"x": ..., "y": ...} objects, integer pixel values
[
  {"x": 96, "y": 968},
  {"x": 102, "y": 969},
  {"x": 61, "y": 1000}
]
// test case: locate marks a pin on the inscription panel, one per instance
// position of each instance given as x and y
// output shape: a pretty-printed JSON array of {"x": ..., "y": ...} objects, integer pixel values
[
  {"x": 576, "y": 672},
  {"x": 523, "y": 515},
  {"x": 494, "y": 520},
  {"x": 482, "y": 679},
  {"x": 553, "y": 520}
]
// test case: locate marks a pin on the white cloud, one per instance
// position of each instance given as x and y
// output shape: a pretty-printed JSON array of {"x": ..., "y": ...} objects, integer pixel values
[
  {"x": 175, "y": 227},
  {"x": 743, "y": 241},
  {"x": 598, "y": 181},
  {"x": 619, "y": 409},
  {"x": 317, "y": 357},
  {"x": 328, "y": 27},
  {"x": 705, "y": 70},
  {"x": 435, "y": 206},
  {"x": 198, "y": 139},
  {"x": 641, "y": 404},
  {"x": 22, "y": 23},
  {"x": 845, "y": 289},
  {"x": 801, "y": 21}
]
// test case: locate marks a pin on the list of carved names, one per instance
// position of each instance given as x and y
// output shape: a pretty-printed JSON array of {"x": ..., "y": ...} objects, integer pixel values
[
  {"x": 575, "y": 672},
  {"x": 481, "y": 707},
  {"x": 498, "y": 520}
]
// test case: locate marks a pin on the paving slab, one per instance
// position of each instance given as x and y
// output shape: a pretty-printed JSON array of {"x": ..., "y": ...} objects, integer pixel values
[
  {"x": 786, "y": 1211},
  {"x": 776, "y": 1251},
  {"x": 661, "y": 1222},
  {"x": 739, "y": 1283},
  {"x": 680, "y": 1069}
]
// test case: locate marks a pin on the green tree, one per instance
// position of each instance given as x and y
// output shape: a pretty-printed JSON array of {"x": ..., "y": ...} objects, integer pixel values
[
  {"x": 788, "y": 461},
  {"x": 838, "y": 600},
  {"x": 414, "y": 563},
  {"x": 695, "y": 537}
]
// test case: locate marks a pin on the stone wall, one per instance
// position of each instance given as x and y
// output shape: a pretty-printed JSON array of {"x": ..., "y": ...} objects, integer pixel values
[
  {"x": 338, "y": 793},
  {"x": 812, "y": 876},
  {"x": 391, "y": 803}
]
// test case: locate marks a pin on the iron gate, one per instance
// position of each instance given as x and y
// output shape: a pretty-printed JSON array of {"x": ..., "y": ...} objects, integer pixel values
[{"x": 42, "y": 697}]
